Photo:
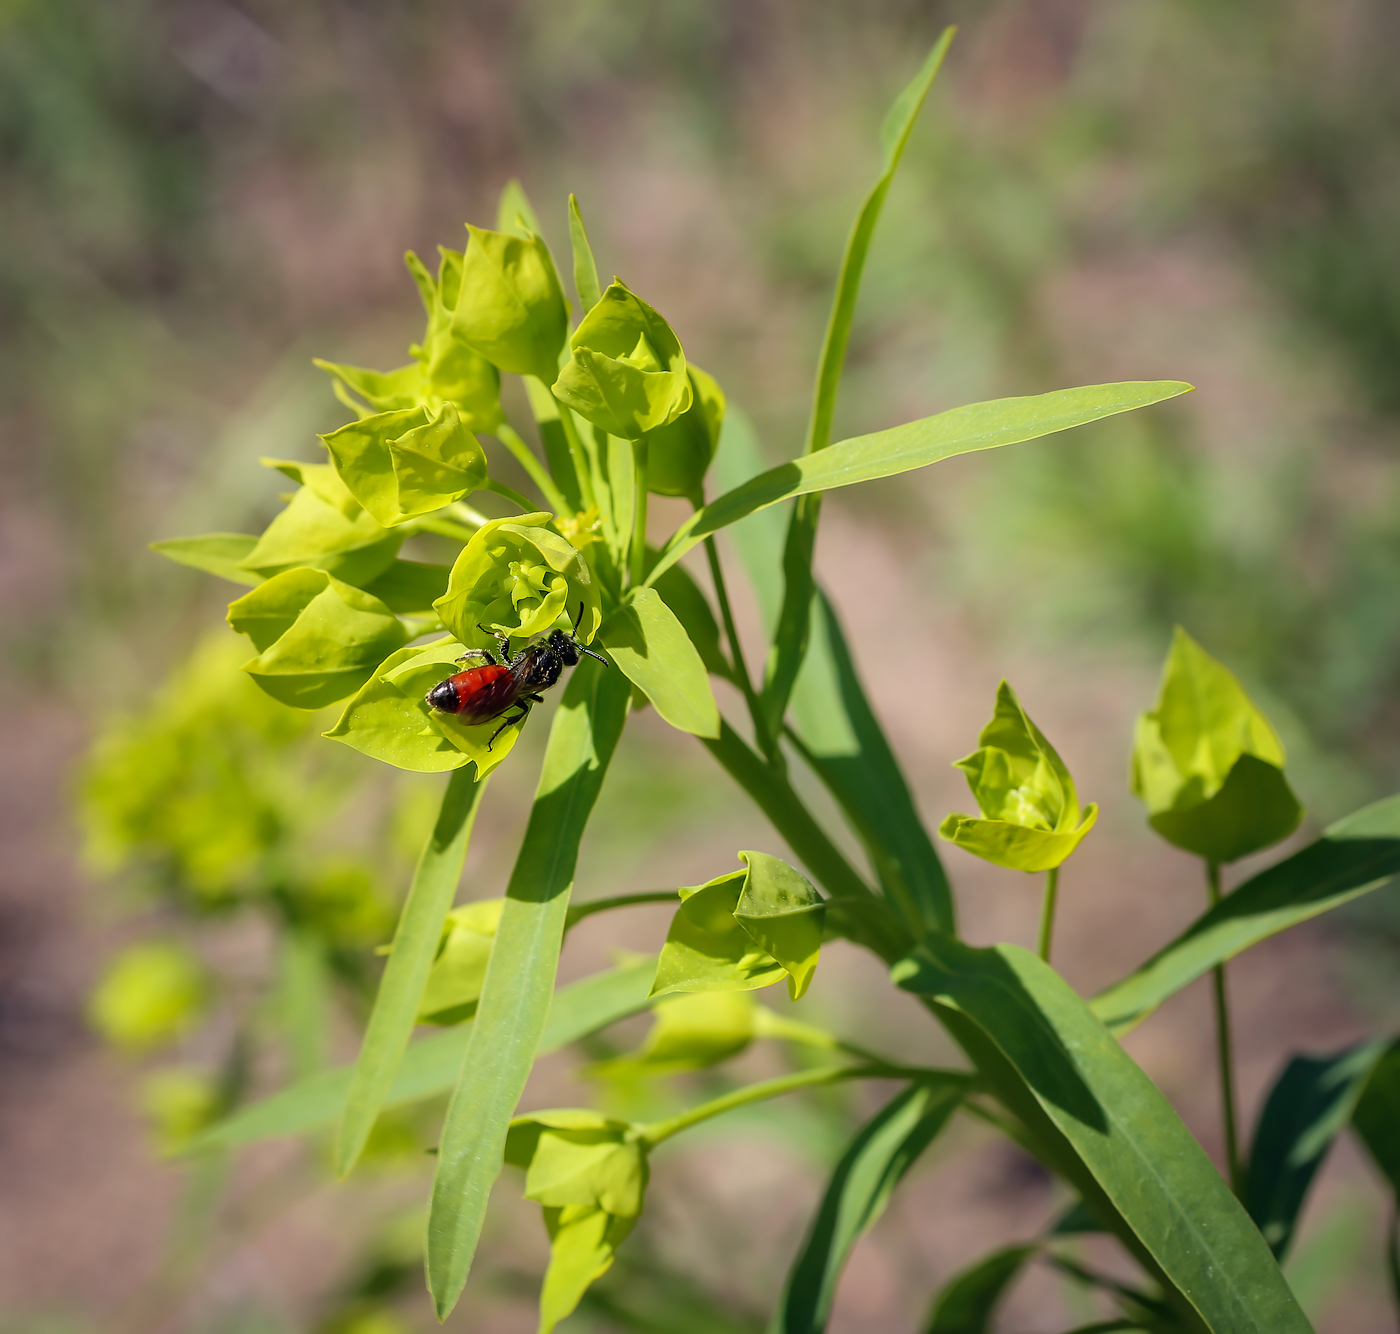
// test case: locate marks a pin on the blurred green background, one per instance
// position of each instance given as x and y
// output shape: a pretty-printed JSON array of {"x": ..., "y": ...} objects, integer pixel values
[{"x": 198, "y": 196}]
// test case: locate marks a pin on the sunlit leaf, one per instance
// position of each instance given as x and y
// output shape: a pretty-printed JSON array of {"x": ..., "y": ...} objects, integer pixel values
[
  {"x": 409, "y": 585},
  {"x": 585, "y": 270},
  {"x": 692, "y": 609},
  {"x": 783, "y": 913},
  {"x": 650, "y": 646},
  {"x": 214, "y": 553},
  {"x": 679, "y": 454},
  {"x": 708, "y": 950}
]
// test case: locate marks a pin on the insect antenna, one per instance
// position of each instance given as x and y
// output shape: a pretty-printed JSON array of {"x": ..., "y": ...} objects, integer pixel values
[{"x": 597, "y": 657}]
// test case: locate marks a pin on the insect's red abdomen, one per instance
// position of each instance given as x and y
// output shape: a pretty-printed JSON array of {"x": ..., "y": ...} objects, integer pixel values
[{"x": 482, "y": 692}]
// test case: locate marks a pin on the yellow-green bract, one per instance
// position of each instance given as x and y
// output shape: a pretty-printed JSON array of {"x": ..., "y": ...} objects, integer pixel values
[
  {"x": 318, "y": 638},
  {"x": 744, "y": 930},
  {"x": 1030, "y": 814},
  {"x": 627, "y": 374},
  {"x": 459, "y": 967},
  {"x": 403, "y": 464},
  {"x": 678, "y": 455},
  {"x": 150, "y": 994},
  {"x": 517, "y": 577},
  {"x": 1207, "y": 763},
  {"x": 590, "y": 1173},
  {"x": 510, "y": 307}
]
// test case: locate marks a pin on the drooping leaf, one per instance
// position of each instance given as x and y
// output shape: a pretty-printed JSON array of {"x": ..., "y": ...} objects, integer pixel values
[
  {"x": 406, "y": 971},
  {"x": 401, "y": 465},
  {"x": 842, "y": 740},
  {"x": 650, "y": 646},
  {"x": 520, "y": 977},
  {"x": 214, "y": 553},
  {"x": 459, "y": 967},
  {"x": 679, "y": 454},
  {"x": 783, "y": 913},
  {"x": 1005, "y": 421},
  {"x": 1208, "y": 764},
  {"x": 510, "y": 308},
  {"x": 1309, "y": 1105},
  {"x": 319, "y": 639},
  {"x": 855, "y": 1197},
  {"x": 968, "y": 1302},
  {"x": 430, "y": 1067},
  {"x": 1354, "y": 856},
  {"x": 518, "y": 577},
  {"x": 409, "y": 586},
  {"x": 1150, "y": 1168},
  {"x": 627, "y": 374},
  {"x": 790, "y": 632},
  {"x": 325, "y": 528},
  {"x": 1030, "y": 812}
]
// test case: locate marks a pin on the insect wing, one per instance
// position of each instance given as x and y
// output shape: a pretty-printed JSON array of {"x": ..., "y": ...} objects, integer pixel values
[{"x": 484, "y": 692}]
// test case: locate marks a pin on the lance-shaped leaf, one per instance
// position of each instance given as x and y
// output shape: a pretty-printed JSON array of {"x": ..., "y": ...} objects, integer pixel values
[
  {"x": 323, "y": 527},
  {"x": 459, "y": 967},
  {"x": 401, "y": 465},
  {"x": 1207, "y": 763},
  {"x": 585, "y": 270},
  {"x": 517, "y": 577},
  {"x": 1149, "y": 1167},
  {"x": 688, "y": 1032},
  {"x": 214, "y": 553},
  {"x": 430, "y": 1067},
  {"x": 692, "y": 609},
  {"x": 510, "y": 307},
  {"x": 1003, "y": 421},
  {"x": 390, "y": 1023},
  {"x": 1354, "y": 856},
  {"x": 1308, "y": 1107},
  {"x": 1030, "y": 813},
  {"x": 968, "y": 1302},
  {"x": 627, "y": 373},
  {"x": 860, "y": 1187},
  {"x": 743, "y": 931},
  {"x": 590, "y": 1174},
  {"x": 319, "y": 639},
  {"x": 1377, "y": 1114},
  {"x": 515, "y": 1000},
  {"x": 649, "y": 644},
  {"x": 678, "y": 455}
]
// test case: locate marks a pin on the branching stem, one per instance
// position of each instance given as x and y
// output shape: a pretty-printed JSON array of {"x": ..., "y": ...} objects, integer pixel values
[
  {"x": 578, "y": 911},
  {"x": 525, "y": 456}
]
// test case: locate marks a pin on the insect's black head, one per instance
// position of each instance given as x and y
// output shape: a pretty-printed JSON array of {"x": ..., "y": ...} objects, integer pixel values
[
  {"x": 565, "y": 647},
  {"x": 443, "y": 696}
]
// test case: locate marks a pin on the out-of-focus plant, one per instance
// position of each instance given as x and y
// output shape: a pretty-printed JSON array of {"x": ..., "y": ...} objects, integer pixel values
[{"x": 337, "y": 615}]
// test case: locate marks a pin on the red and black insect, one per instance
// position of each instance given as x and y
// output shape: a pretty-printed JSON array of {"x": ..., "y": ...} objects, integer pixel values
[{"x": 481, "y": 693}]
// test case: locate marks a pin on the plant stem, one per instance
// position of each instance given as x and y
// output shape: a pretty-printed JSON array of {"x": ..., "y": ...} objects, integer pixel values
[
  {"x": 1225, "y": 1052},
  {"x": 736, "y": 649},
  {"x": 525, "y": 456},
  {"x": 510, "y": 493},
  {"x": 576, "y": 452},
  {"x": 653, "y": 1133},
  {"x": 639, "y": 513},
  {"x": 1047, "y": 911},
  {"x": 578, "y": 911}
]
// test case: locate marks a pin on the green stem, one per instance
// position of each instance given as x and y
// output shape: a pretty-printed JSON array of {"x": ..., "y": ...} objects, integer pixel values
[
  {"x": 442, "y": 527},
  {"x": 511, "y": 494},
  {"x": 736, "y": 649},
  {"x": 1047, "y": 911},
  {"x": 655, "y": 1132},
  {"x": 1225, "y": 1052},
  {"x": 578, "y": 911},
  {"x": 576, "y": 452},
  {"x": 539, "y": 474},
  {"x": 639, "y": 513}
]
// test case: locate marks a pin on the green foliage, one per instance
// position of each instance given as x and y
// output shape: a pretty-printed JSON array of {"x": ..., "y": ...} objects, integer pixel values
[
  {"x": 1207, "y": 763},
  {"x": 679, "y": 454},
  {"x": 968, "y": 1303},
  {"x": 648, "y": 643},
  {"x": 1031, "y": 818},
  {"x": 150, "y": 994},
  {"x": 459, "y": 967}
]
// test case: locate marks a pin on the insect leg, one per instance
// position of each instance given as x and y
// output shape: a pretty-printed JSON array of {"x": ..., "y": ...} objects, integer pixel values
[
  {"x": 502, "y": 640},
  {"x": 514, "y": 718},
  {"x": 478, "y": 653}
]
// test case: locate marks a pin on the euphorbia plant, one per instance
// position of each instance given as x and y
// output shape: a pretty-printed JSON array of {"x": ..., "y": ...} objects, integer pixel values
[{"x": 338, "y": 616}]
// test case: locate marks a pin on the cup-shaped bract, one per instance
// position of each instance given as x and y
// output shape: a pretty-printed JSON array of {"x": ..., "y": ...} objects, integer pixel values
[
  {"x": 510, "y": 307},
  {"x": 318, "y": 639},
  {"x": 679, "y": 455},
  {"x": 1030, "y": 814},
  {"x": 627, "y": 374},
  {"x": 404, "y": 464},
  {"x": 589, "y": 1172},
  {"x": 518, "y": 577},
  {"x": 1208, "y": 764}
]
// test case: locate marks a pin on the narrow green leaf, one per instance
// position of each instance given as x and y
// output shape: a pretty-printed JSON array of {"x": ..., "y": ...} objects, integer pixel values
[
  {"x": 649, "y": 644},
  {"x": 968, "y": 1302},
  {"x": 692, "y": 609},
  {"x": 840, "y": 737},
  {"x": 406, "y": 970},
  {"x": 1377, "y": 1115},
  {"x": 1354, "y": 856},
  {"x": 214, "y": 553},
  {"x": 430, "y": 1067},
  {"x": 514, "y": 212},
  {"x": 1308, "y": 1107},
  {"x": 515, "y": 1001},
  {"x": 855, "y": 1197},
  {"x": 585, "y": 270},
  {"x": 1153, "y": 1171},
  {"x": 790, "y": 638},
  {"x": 916, "y": 444}
]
